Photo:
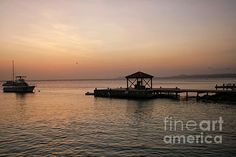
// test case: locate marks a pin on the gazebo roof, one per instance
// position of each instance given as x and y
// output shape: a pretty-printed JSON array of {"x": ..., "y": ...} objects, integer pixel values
[{"x": 139, "y": 74}]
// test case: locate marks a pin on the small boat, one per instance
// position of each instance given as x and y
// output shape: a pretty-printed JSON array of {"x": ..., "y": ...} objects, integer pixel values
[{"x": 17, "y": 85}]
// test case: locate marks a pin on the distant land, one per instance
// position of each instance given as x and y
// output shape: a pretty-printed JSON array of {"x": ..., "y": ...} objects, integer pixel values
[
  {"x": 182, "y": 76},
  {"x": 201, "y": 76},
  {"x": 197, "y": 76}
]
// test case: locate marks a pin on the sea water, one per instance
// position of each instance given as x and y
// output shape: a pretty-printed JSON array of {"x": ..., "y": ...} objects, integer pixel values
[{"x": 58, "y": 119}]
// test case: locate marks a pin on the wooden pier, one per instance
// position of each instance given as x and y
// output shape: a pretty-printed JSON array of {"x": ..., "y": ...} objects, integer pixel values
[
  {"x": 139, "y": 86},
  {"x": 156, "y": 93},
  {"x": 229, "y": 86}
]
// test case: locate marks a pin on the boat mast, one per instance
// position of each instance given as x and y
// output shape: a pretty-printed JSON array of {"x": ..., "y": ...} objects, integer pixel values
[{"x": 13, "y": 71}]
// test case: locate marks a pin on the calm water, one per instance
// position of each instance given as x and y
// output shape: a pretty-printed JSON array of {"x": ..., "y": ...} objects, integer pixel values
[{"x": 60, "y": 120}]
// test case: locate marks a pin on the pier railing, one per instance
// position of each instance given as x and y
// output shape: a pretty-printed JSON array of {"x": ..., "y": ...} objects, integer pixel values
[
  {"x": 229, "y": 86},
  {"x": 228, "y": 90}
]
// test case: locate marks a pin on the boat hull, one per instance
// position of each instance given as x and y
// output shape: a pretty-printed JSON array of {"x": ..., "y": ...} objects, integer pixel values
[{"x": 18, "y": 89}]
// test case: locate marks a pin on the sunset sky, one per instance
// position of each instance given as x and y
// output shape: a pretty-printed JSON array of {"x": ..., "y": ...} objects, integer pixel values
[{"x": 111, "y": 38}]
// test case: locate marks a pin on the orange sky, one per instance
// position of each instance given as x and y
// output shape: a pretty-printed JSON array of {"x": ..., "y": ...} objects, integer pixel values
[{"x": 109, "y": 38}]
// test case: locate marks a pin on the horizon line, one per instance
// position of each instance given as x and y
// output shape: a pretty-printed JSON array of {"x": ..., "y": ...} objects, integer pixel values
[{"x": 180, "y": 76}]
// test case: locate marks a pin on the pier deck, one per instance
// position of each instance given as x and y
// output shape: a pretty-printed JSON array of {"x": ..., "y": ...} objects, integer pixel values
[
  {"x": 139, "y": 86},
  {"x": 155, "y": 92}
]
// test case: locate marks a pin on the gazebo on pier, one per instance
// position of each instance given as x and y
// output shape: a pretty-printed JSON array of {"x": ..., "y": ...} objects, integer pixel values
[
  {"x": 139, "y": 86},
  {"x": 139, "y": 80}
]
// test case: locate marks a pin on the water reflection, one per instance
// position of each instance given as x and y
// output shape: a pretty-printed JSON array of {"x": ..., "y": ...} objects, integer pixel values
[
  {"x": 20, "y": 107},
  {"x": 139, "y": 110},
  {"x": 20, "y": 96}
]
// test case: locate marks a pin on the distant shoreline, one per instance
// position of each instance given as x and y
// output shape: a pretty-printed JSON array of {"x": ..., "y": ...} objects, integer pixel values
[{"x": 200, "y": 76}]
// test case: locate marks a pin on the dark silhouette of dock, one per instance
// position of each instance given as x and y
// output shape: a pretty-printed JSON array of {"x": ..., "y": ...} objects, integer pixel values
[
  {"x": 229, "y": 86},
  {"x": 139, "y": 86}
]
